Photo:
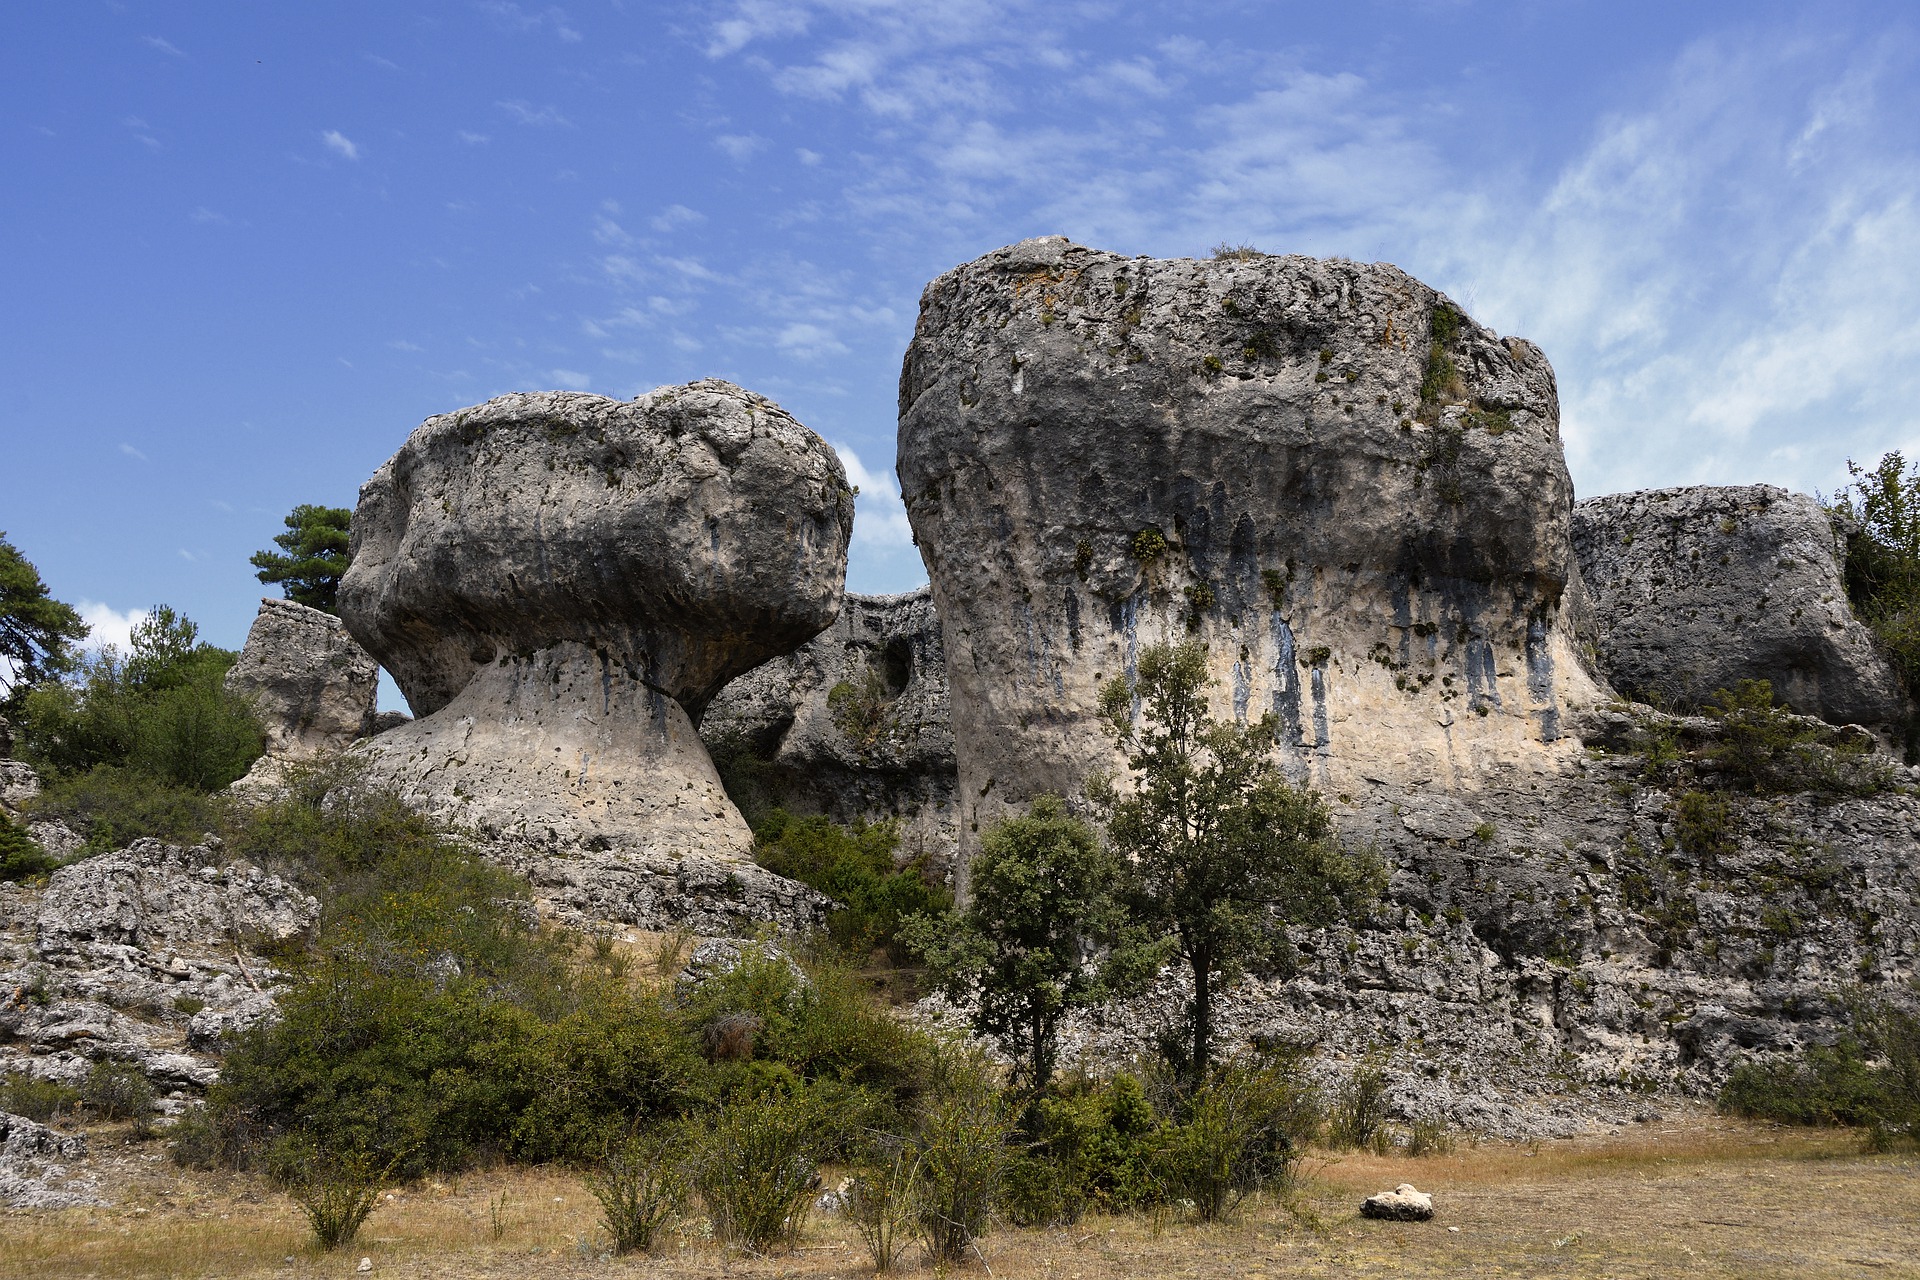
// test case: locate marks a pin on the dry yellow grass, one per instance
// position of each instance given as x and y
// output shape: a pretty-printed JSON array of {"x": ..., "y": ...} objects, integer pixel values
[{"x": 1700, "y": 1198}]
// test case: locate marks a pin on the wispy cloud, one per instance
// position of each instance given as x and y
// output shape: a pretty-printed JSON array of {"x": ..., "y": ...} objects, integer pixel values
[
  {"x": 570, "y": 379},
  {"x": 339, "y": 144},
  {"x": 164, "y": 46},
  {"x": 880, "y": 518},
  {"x": 514, "y": 17},
  {"x": 471, "y": 138},
  {"x": 676, "y": 216},
  {"x": 210, "y": 217},
  {"x": 401, "y": 344},
  {"x": 528, "y": 114},
  {"x": 132, "y": 452},
  {"x": 740, "y": 147}
]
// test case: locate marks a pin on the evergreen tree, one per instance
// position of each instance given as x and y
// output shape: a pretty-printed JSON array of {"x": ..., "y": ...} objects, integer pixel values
[
  {"x": 37, "y": 632},
  {"x": 315, "y": 556}
]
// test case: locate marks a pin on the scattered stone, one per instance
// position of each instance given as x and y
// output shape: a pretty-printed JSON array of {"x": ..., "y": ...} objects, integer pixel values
[
  {"x": 313, "y": 686},
  {"x": 560, "y": 583},
  {"x": 1402, "y": 1204},
  {"x": 1696, "y": 589}
]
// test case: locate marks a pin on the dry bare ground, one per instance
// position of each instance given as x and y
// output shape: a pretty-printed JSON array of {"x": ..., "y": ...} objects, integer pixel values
[{"x": 1697, "y": 1197}]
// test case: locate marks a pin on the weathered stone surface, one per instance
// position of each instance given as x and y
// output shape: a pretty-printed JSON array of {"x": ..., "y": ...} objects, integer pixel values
[
  {"x": 33, "y": 1172},
  {"x": 1696, "y": 589},
  {"x": 1388, "y": 574},
  {"x": 884, "y": 753},
  {"x": 560, "y": 582},
  {"x": 313, "y": 686},
  {"x": 18, "y": 784},
  {"x": 154, "y": 895},
  {"x": 1405, "y": 1203}
]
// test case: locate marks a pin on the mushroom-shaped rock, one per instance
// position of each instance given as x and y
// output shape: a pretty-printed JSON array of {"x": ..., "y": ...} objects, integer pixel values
[
  {"x": 1698, "y": 588},
  {"x": 312, "y": 685},
  {"x": 1351, "y": 492},
  {"x": 559, "y": 583}
]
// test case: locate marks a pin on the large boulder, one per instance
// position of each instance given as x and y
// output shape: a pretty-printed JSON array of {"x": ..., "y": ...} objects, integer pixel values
[
  {"x": 1355, "y": 495},
  {"x": 312, "y": 685},
  {"x": 853, "y": 724},
  {"x": 1696, "y": 589},
  {"x": 560, "y": 582}
]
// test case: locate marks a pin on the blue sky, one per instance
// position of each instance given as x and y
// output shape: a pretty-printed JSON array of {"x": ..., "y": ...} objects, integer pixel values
[{"x": 247, "y": 247}]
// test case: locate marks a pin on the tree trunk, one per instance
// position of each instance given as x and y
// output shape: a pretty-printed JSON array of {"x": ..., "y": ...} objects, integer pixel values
[{"x": 1202, "y": 1016}]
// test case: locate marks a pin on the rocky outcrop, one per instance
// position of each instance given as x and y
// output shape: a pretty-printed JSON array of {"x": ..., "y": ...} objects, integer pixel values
[
  {"x": 33, "y": 1167},
  {"x": 853, "y": 724},
  {"x": 560, "y": 583},
  {"x": 1696, "y": 589},
  {"x": 314, "y": 688},
  {"x": 142, "y": 956},
  {"x": 1351, "y": 492}
]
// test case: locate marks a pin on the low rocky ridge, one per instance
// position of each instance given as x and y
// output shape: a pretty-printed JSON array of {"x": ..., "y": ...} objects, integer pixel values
[
  {"x": 853, "y": 724},
  {"x": 1696, "y": 589},
  {"x": 146, "y": 956},
  {"x": 560, "y": 583}
]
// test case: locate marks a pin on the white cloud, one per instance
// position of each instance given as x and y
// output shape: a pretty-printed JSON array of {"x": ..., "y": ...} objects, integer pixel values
[
  {"x": 472, "y": 139},
  {"x": 809, "y": 341},
  {"x": 132, "y": 452},
  {"x": 880, "y": 518},
  {"x": 109, "y": 626},
  {"x": 740, "y": 146},
  {"x": 209, "y": 217},
  {"x": 339, "y": 143},
  {"x": 384, "y": 64},
  {"x": 164, "y": 46},
  {"x": 807, "y": 157},
  {"x": 528, "y": 114},
  {"x": 401, "y": 344},
  {"x": 570, "y": 379},
  {"x": 676, "y": 216}
]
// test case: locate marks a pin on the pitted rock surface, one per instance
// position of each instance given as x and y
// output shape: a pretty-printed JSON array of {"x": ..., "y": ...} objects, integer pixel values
[
  {"x": 144, "y": 956},
  {"x": 313, "y": 686},
  {"x": 1364, "y": 511},
  {"x": 33, "y": 1167},
  {"x": 886, "y": 752},
  {"x": 1696, "y": 589},
  {"x": 560, "y": 582}
]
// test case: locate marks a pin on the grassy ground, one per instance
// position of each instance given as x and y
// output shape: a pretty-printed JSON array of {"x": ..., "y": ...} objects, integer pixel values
[{"x": 1699, "y": 1198}]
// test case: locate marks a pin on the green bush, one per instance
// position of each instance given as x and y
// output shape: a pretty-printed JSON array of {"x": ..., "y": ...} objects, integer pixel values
[
  {"x": 36, "y": 1099},
  {"x": 1868, "y": 1078},
  {"x": 1358, "y": 1120},
  {"x": 1087, "y": 1145},
  {"x": 641, "y": 1185},
  {"x": 962, "y": 1145},
  {"x": 755, "y": 1162},
  {"x": 114, "y": 805},
  {"x": 120, "y": 1091},
  {"x": 855, "y": 867},
  {"x": 1244, "y": 1130},
  {"x": 336, "y": 1190},
  {"x": 882, "y": 1202},
  {"x": 21, "y": 857}
]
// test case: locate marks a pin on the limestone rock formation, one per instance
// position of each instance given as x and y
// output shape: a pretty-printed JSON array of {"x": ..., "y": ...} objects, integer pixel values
[
  {"x": 312, "y": 685},
  {"x": 1351, "y": 492},
  {"x": 1695, "y": 589},
  {"x": 559, "y": 584},
  {"x": 853, "y": 724},
  {"x": 142, "y": 956}
]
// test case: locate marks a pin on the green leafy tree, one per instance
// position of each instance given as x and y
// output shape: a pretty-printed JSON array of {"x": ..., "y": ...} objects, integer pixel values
[
  {"x": 1045, "y": 932},
  {"x": 37, "y": 632},
  {"x": 312, "y": 556},
  {"x": 1225, "y": 851},
  {"x": 1883, "y": 556}
]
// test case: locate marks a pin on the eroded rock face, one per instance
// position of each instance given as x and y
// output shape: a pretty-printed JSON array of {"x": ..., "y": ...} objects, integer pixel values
[
  {"x": 1696, "y": 589},
  {"x": 1353, "y": 494},
  {"x": 313, "y": 686},
  {"x": 881, "y": 748},
  {"x": 560, "y": 582}
]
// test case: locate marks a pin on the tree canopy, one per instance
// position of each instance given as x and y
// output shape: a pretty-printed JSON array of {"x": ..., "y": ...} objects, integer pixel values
[
  {"x": 1045, "y": 932},
  {"x": 1225, "y": 852},
  {"x": 1883, "y": 556},
  {"x": 312, "y": 556},
  {"x": 37, "y": 632}
]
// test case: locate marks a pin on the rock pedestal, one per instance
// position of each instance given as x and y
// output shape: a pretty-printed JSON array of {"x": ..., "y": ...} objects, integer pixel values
[
  {"x": 1696, "y": 589},
  {"x": 312, "y": 685},
  {"x": 560, "y": 582},
  {"x": 1351, "y": 492}
]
